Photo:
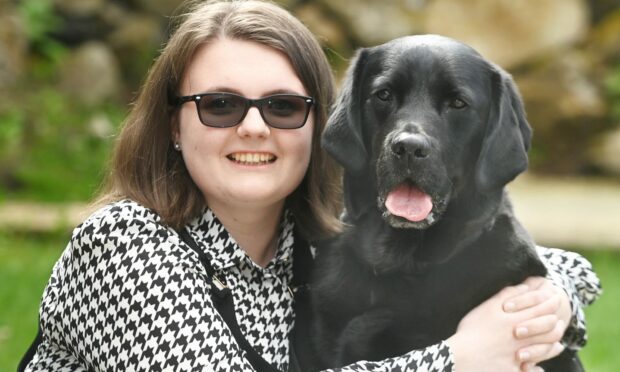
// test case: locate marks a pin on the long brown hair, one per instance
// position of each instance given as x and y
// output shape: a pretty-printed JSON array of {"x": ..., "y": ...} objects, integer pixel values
[{"x": 146, "y": 168}]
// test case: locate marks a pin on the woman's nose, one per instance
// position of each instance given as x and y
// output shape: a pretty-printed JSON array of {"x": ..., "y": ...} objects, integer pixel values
[{"x": 253, "y": 124}]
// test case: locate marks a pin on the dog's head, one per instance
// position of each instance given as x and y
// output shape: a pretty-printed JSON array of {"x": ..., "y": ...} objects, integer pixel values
[{"x": 422, "y": 121}]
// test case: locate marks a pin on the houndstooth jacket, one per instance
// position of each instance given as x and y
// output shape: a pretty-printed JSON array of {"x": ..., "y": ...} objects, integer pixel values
[{"x": 126, "y": 295}]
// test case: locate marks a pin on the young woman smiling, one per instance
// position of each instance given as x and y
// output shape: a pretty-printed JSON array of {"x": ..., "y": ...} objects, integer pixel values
[{"x": 217, "y": 183}]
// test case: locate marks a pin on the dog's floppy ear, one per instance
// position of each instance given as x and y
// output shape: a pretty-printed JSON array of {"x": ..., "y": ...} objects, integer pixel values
[
  {"x": 342, "y": 137},
  {"x": 507, "y": 138}
]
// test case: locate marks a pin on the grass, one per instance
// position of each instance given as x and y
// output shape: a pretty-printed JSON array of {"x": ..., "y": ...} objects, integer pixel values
[
  {"x": 601, "y": 352},
  {"x": 25, "y": 266},
  {"x": 26, "y": 262}
]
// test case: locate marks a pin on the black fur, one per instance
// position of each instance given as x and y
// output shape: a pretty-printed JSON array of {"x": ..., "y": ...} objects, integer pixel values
[{"x": 388, "y": 285}]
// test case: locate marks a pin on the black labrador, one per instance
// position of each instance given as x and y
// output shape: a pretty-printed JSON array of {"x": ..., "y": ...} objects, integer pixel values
[{"x": 428, "y": 133}]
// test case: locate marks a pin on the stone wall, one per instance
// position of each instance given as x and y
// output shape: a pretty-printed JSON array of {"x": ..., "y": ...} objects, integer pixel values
[{"x": 564, "y": 55}]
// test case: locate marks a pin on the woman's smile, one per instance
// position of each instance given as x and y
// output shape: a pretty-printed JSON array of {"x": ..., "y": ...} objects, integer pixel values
[{"x": 252, "y": 158}]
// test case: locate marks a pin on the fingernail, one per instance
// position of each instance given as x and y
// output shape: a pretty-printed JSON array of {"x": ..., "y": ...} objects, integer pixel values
[
  {"x": 529, "y": 366},
  {"x": 509, "y": 306},
  {"x": 524, "y": 355},
  {"x": 522, "y": 331},
  {"x": 558, "y": 347}
]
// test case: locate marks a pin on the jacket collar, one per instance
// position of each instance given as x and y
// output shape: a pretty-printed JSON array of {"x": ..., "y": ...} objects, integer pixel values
[{"x": 222, "y": 249}]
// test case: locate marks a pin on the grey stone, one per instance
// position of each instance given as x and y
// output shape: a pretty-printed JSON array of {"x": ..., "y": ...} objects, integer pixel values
[
  {"x": 91, "y": 74},
  {"x": 561, "y": 88},
  {"x": 375, "y": 22},
  {"x": 136, "y": 31},
  {"x": 605, "y": 152},
  {"x": 567, "y": 109},
  {"x": 510, "y": 32}
]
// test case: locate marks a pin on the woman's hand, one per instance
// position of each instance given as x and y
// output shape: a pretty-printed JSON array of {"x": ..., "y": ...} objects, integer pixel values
[
  {"x": 513, "y": 330},
  {"x": 549, "y": 312}
]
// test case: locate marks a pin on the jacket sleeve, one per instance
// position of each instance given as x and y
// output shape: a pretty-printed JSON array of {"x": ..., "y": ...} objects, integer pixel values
[
  {"x": 436, "y": 358},
  {"x": 125, "y": 296},
  {"x": 573, "y": 273}
]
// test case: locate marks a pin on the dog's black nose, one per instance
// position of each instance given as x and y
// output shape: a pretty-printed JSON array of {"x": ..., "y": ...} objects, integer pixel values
[{"x": 415, "y": 146}]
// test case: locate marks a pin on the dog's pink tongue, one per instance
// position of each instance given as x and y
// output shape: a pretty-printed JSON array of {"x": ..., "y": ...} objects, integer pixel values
[{"x": 409, "y": 202}]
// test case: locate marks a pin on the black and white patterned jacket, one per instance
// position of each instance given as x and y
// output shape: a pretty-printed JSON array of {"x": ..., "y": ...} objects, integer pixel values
[{"x": 126, "y": 295}]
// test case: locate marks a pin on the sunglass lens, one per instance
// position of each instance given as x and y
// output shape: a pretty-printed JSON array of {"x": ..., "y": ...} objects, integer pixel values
[
  {"x": 285, "y": 111},
  {"x": 221, "y": 110}
]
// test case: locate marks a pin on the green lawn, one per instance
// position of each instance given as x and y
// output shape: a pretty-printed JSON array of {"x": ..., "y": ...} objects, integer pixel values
[
  {"x": 601, "y": 353},
  {"x": 25, "y": 266},
  {"x": 26, "y": 262}
]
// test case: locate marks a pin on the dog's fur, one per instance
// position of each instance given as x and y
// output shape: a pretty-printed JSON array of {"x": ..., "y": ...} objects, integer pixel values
[{"x": 431, "y": 112}]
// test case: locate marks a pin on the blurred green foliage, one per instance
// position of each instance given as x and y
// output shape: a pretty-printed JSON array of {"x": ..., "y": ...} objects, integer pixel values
[
  {"x": 52, "y": 148},
  {"x": 40, "y": 20},
  {"x": 612, "y": 88},
  {"x": 62, "y": 159}
]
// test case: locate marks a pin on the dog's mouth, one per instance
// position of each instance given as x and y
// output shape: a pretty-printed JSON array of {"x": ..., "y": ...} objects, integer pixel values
[
  {"x": 409, "y": 202},
  {"x": 408, "y": 206}
]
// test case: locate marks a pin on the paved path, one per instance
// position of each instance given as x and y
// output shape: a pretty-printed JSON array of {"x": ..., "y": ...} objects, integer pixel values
[
  {"x": 569, "y": 212},
  {"x": 566, "y": 212}
]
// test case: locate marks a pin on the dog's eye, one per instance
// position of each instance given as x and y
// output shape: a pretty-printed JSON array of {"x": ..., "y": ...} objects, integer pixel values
[
  {"x": 384, "y": 95},
  {"x": 458, "y": 103}
]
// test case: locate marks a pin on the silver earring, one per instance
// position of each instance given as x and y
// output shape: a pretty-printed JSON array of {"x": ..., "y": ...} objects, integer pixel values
[{"x": 177, "y": 146}]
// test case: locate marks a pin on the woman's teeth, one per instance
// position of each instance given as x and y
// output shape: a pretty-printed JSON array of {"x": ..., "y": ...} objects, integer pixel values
[{"x": 252, "y": 158}]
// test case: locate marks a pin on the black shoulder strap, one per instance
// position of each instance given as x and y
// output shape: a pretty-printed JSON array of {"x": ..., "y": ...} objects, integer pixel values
[
  {"x": 304, "y": 355},
  {"x": 302, "y": 262},
  {"x": 223, "y": 302}
]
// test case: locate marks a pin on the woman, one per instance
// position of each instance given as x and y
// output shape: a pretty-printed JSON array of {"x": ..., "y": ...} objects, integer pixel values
[{"x": 221, "y": 153}]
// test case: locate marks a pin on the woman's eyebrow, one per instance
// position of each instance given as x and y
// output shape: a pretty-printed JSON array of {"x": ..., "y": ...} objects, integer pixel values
[
  {"x": 283, "y": 91},
  {"x": 228, "y": 89},
  {"x": 222, "y": 89}
]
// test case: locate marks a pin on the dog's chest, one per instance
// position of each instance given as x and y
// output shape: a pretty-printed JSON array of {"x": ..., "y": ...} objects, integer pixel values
[{"x": 428, "y": 305}]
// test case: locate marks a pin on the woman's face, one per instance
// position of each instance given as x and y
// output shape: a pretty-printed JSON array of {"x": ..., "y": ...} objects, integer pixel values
[{"x": 250, "y": 164}]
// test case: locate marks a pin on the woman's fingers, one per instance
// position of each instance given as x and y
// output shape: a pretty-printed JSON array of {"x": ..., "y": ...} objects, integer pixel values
[
  {"x": 536, "y": 326},
  {"x": 510, "y": 292},
  {"x": 543, "y": 346},
  {"x": 545, "y": 305},
  {"x": 538, "y": 292},
  {"x": 555, "y": 335},
  {"x": 537, "y": 353}
]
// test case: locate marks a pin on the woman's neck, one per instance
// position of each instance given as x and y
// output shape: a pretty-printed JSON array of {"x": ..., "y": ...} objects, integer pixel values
[{"x": 254, "y": 229}]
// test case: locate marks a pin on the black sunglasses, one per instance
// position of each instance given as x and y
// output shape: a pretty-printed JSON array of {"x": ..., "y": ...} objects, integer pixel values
[{"x": 224, "y": 110}]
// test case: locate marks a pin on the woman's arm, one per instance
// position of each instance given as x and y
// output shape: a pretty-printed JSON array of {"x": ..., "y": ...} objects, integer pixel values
[
  {"x": 50, "y": 357},
  {"x": 574, "y": 274},
  {"x": 484, "y": 341},
  {"x": 436, "y": 357},
  {"x": 125, "y": 296},
  {"x": 515, "y": 329}
]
